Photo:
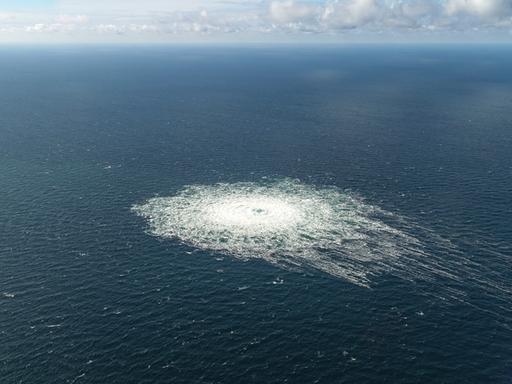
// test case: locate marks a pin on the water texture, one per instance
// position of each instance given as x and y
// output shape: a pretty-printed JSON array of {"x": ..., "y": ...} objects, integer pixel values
[{"x": 259, "y": 215}]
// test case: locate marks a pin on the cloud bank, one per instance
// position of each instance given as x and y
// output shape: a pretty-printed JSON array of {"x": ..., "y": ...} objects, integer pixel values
[{"x": 259, "y": 20}]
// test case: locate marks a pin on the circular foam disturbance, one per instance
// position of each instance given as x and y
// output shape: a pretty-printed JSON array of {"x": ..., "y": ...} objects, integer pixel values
[{"x": 286, "y": 223}]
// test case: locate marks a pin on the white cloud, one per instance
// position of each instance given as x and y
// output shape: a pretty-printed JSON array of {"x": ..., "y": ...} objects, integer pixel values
[
  {"x": 351, "y": 13},
  {"x": 7, "y": 17},
  {"x": 292, "y": 11},
  {"x": 415, "y": 13},
  {"x": 72, "y": 19},
  {"x": 482, "y": 8},
  {"x": 52, "y": 28},
  {"x": 157, "y": 20}
]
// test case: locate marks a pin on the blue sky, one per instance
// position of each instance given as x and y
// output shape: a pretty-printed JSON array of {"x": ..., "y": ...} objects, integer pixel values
[
  {"x": 26, "y": 4},
  {"x": 255, "y": 20}
]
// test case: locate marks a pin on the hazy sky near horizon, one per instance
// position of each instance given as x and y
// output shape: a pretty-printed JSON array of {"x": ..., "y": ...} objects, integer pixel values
[{"x": 255, "y": 20}]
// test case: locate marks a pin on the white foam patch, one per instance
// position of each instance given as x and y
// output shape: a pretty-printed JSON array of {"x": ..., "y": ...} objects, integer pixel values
[
  {"x": 301, "y": 227},
  {"x": 289, "y": 224}
]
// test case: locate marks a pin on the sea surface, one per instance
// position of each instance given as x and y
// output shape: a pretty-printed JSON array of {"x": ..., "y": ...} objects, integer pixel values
[{"x": 413, "y": 144}]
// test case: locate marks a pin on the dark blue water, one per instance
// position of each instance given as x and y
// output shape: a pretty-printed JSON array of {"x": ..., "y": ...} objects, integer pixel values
[{"x": 88, "y": 296}]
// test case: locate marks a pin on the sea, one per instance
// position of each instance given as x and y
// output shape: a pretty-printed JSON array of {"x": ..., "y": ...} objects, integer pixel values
[{"x": 256, "y": 214}]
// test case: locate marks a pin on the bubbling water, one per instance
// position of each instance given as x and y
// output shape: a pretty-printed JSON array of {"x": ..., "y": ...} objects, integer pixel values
[
  {"x": 301, "y": 227},
  {"x": 286, "y": 223},
  {"x": 256, "y": 213}
]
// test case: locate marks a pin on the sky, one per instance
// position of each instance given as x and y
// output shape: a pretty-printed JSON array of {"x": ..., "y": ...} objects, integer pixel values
[{"x": 239, "y": 21}]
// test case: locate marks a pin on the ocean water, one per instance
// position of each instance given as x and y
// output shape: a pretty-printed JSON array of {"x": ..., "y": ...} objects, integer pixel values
[{"x": 313, "y": 214}]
